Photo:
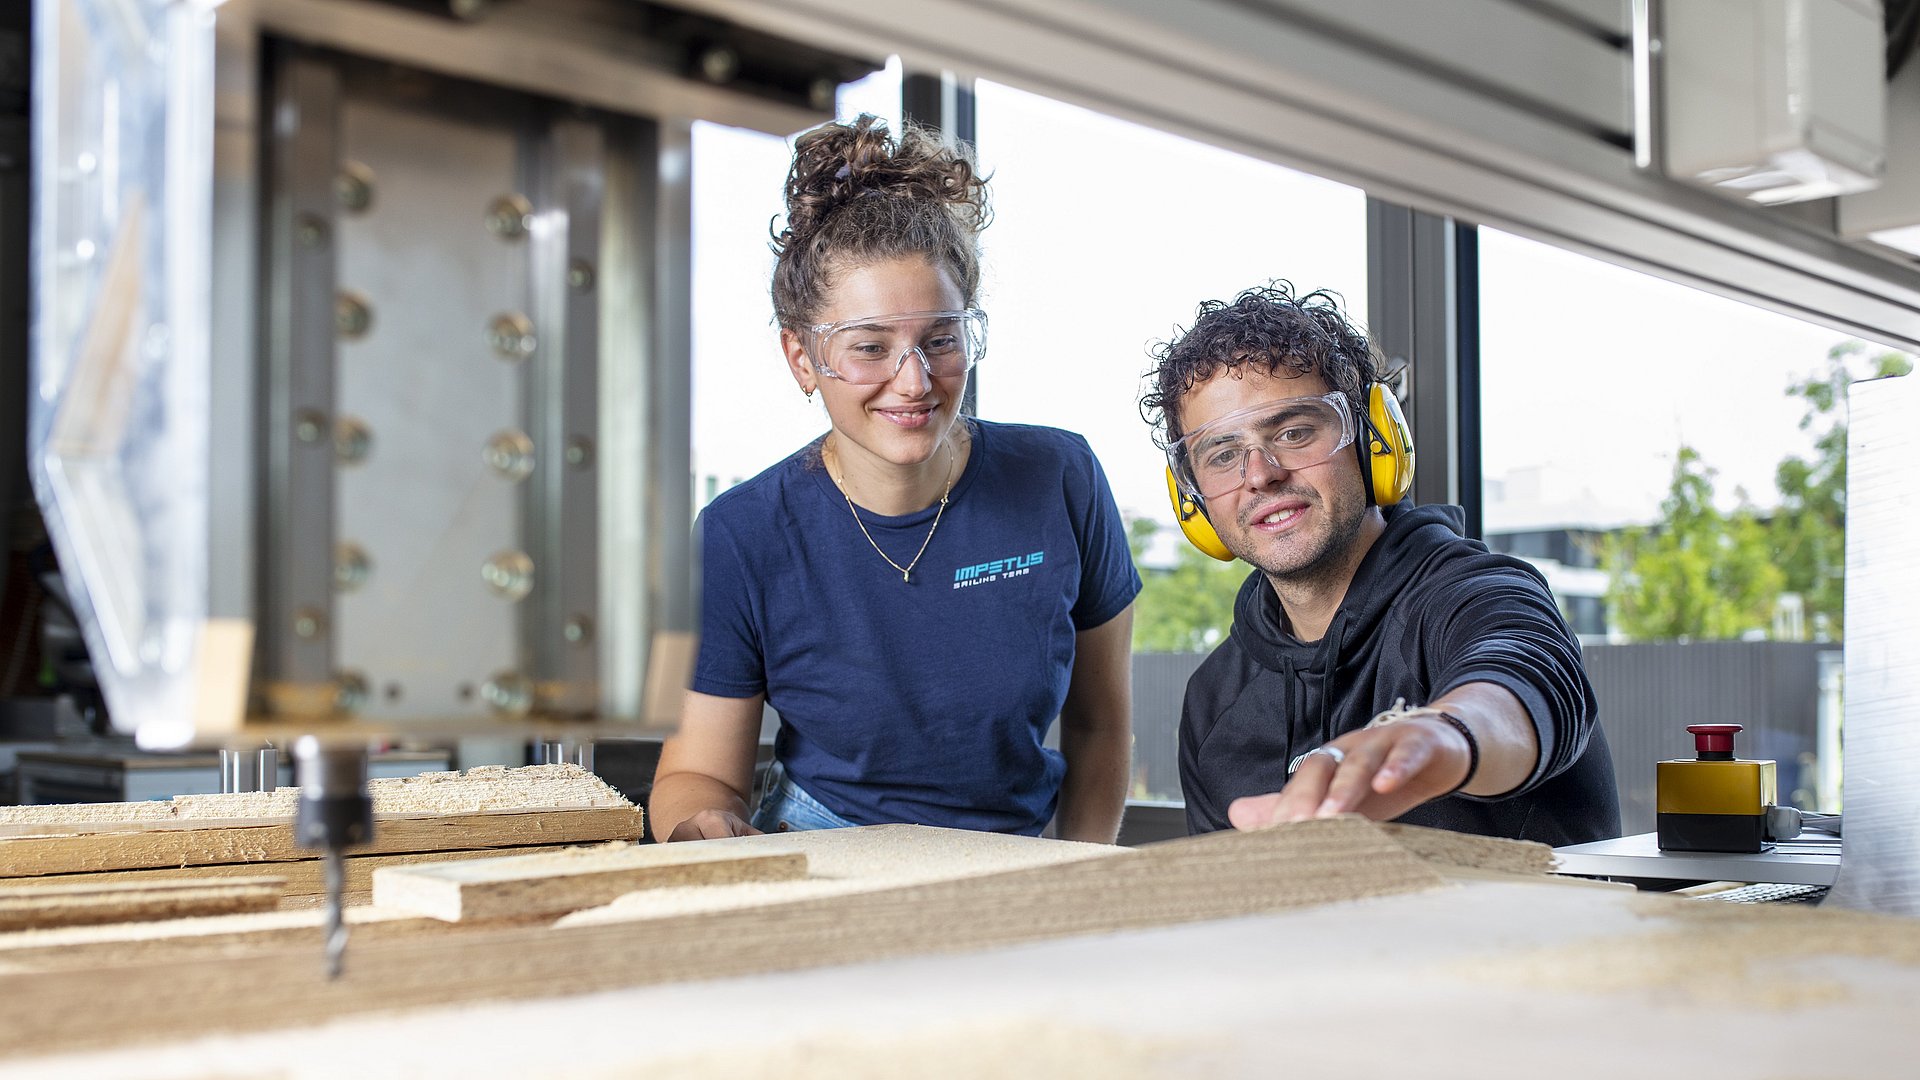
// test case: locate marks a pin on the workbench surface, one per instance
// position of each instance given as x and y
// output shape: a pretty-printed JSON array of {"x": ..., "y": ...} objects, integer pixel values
[{"x": 1477, "y": 979}]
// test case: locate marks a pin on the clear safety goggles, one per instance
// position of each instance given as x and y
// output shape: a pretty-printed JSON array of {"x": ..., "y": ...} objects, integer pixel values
[
  {"x": 1292, "y": 433},
  {"x": 871, "y": 350}
]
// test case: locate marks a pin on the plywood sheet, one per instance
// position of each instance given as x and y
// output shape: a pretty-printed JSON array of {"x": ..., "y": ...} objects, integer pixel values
[
  {"x": 36, "y": 906},
  {"x": 1212, "y": 877},
  {"x": 559, "y": 882},
  {"x": 304, "y": 881},
  {"x": 200, "y": 843},
  {"x": 226, "y": 938}
]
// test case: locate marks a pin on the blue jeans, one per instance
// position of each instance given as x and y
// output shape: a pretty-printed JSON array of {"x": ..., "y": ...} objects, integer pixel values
[{"x": 785, "y": 807}]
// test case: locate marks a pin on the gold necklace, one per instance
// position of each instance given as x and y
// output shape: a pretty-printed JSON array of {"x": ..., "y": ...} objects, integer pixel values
[{"x": 906, "y": 572}]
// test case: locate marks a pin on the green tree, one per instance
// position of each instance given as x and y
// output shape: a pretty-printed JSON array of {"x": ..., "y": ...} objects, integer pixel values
[
  {"x": 1187, "y": 607},
  {"x": 1699, "y": 573},
  {"x": 1809, "y": 531}
]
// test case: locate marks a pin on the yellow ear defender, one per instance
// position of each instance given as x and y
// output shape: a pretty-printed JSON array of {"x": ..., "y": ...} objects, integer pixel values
[
  {"x": 1193, "y": 521},
  {"x": 1386, "y": 455}
]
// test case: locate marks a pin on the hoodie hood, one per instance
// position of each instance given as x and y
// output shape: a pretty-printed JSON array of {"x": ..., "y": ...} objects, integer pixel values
[{"x": 1417, "y": 540}]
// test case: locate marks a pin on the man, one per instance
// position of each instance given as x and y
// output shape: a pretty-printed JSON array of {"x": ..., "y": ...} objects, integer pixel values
[{"x": 1380, "y": 662}]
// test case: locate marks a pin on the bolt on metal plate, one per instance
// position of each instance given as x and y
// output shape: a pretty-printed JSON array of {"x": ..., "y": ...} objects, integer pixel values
[
  {"x": 349, "y": 691},
  {"x": 508, "y": 693},
  {"x": 309, "y": 623},
  {"x": 579, "y": 452},
  {"x": 312, "y": 231},
  {"x": 352, "y": 315},
  {"x": 353, "y": 187},
  {"x": 509, "y": 216},
  {"x": 580, "y": 276},
  {"x": 509, "y": 574},
  {"x": 511, "y": 336},
  {"x": 309, "y": 425},
  {"x": 510, "y": 453},
  {"x": 352, "y": 440},
  {"x": 351, "y": 567}
]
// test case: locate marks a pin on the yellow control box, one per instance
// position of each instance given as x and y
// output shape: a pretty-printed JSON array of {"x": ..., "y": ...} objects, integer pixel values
[{"x": 1714, "y": 801}]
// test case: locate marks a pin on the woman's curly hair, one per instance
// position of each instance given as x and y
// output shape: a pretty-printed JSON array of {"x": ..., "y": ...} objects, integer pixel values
[
  {"x": 857, "y": 195},
  {"x": 1265, "y": 328}
]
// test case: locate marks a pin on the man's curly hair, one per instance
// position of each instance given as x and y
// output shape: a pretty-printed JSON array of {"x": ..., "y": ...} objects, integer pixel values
[{"x": 1266, "y": 328}]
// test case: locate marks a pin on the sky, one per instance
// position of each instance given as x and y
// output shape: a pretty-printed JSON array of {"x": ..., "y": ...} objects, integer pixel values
[{"x": 1105, "y": 237}]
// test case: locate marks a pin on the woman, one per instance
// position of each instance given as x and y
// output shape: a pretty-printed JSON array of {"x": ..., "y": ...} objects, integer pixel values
[{"x": 916, "y": 594}]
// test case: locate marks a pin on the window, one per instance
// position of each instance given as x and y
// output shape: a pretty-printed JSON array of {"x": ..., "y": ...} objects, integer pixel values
[
  {"x": 1106, "y": 236},
  {"x": 1634, "y": 436}
]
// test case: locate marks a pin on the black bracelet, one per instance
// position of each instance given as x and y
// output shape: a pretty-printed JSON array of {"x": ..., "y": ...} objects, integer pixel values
[{"x": 1473, "y": 749}]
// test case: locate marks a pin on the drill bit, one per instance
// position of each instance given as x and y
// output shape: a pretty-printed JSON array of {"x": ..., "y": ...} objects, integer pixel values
[
  {"x": 336, "y": 923},
  {"x": 333, "y": 814}
]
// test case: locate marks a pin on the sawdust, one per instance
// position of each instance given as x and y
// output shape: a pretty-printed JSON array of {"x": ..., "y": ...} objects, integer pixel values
[
  {"x": 954, "y": 1052},
  {"x": 60, "y": 813},
  {"x": 1717, "y": 954},
  {"x": 240, "y": 805},
  {"x": 845, "y": 861}
]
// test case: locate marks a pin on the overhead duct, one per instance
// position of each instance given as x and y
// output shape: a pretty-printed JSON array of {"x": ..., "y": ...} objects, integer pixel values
[
  {"x": 1890, "y": 213},
  {"x": 1774, "y": 101}
]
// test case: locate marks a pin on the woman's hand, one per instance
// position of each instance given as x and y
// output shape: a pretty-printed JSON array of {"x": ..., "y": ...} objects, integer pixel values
[
  {"x": 711, "y": 825},
  {"x": 700, "y": 786}
]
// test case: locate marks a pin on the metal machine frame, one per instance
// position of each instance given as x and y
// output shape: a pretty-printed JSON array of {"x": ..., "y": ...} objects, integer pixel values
[{"x": 192, "y": 433}]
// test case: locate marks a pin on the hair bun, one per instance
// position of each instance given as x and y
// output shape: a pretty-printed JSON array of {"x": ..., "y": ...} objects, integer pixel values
[
  {"x": 857, "y": 195},
  {"x": 837, "y": 163}
]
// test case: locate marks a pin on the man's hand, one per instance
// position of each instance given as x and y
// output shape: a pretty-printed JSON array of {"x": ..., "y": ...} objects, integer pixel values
[
  {"x": 711, "y": 825},
  {"x": 1386, "y": 771}
]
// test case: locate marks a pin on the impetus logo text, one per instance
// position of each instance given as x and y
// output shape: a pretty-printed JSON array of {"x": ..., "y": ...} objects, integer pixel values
[{"x": 1011, "y": 566}]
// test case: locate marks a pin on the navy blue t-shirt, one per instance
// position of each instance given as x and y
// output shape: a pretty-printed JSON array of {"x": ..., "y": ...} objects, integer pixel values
[{"x": 922, "y": 701}]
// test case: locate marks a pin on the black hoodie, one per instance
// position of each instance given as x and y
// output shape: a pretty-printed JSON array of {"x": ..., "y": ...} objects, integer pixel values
[{"x": 1427, "y": 610}]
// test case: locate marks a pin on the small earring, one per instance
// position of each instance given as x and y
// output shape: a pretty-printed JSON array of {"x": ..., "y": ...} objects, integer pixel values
[{"x": 809, "y": 392}]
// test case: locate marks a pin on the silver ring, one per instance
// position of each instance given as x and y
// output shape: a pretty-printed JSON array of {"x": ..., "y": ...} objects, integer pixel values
[{"x": 1338, "y": 755}]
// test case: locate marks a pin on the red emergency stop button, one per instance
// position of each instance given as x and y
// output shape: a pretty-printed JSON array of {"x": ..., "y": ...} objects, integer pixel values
[{"x": 1713, "y": 742}]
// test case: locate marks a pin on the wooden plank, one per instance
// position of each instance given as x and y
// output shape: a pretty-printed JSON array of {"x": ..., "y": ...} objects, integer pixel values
[
  {"x": 558, "y": 882},
  {"x": 305, "y": 880},
  {"x": 211, "y": 843},
  {"x": 37, "y": 906},
  {"x": 480, "y": 790},
  {"x": 221, "y": 937}
]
